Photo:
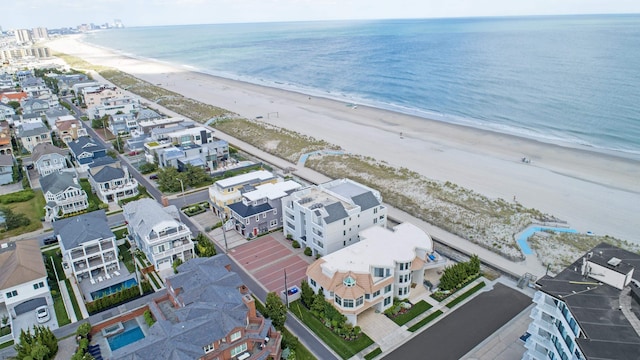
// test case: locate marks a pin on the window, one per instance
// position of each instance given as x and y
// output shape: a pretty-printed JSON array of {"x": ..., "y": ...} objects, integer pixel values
[
  {"x": 375, "y": 221},
  {"x": 401, "y": 266},
  {"x": 208, "y": 348},
  {"x": 359, "y": 301},
  {"x": 11, "y": 294},
  {"x": 376, "y": 293},
  {"x": 349, "y": 281},
  {"x": 387, "y": 289},
  {"x": 273, "y": 223},
  {"x": 387, "y": 301},
  {"x": 367, "y": 296},
  {"x": 378, "y": 272},
  {"x": 38, "y": 285},
  {"x": 257, "y": 217},
  {"x": 312, "y": 282},
  {"x": 375, "y": 210},
  {"x": 247, "y": 222},
  {"x": 348, "y": 303},
  {"x": 264, "y": 216},
  {"x": 238, "y": 350},
  {"x": 338, "y": 300},
  {"x": 235, "y": 336}
]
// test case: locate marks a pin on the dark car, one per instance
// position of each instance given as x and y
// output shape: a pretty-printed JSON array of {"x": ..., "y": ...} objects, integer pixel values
[
  {"x": 153, "y": 177},
  {"x": 50, "y": 241}
]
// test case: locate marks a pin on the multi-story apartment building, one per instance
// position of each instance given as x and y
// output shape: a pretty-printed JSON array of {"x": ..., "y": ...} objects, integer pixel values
[
  {"x": 113, "y": 106},
  {"x": 88, "y": 246},
  {"x": 40, "y": 33},
  {"x": 588, "y": 310},
  {"x": 329, "y": 216},
  {"x": 207, "y": 313},
  {"x": 63, "y": 195},
  {"x": 23, "y": 36},
  {"x": 260, "y": 210},
  {"x": 23, "y": 283},
  {"x": 113, "y": 183},
  {"x": 96, "y": 95},
  {"x": 158, "y": 232},
  {"x": 370, "y": 273},
  {"x": 228, "y": 191}
]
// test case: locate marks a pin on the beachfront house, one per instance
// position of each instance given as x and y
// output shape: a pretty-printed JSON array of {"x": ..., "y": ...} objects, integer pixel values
[
  {"x": 158, "y": 232},
  {"x": 329, "y": 216},
  {"x": 207, "y": 313},
  {"x": 588, "y": 310},
  {"x": 88, "y": 246},
  {"x": 63, "y": 195},
  {"x": 6, "y": 169},
  {"x": 114, "y": 106},
  {"x": 48, "y": 158},
  {"x": 32, "y": 134},
  {"x": 260, "y": 210},
  {"x": 34, "y": 86},
  {"x": 85, "y": 151},
  {"x": 23, "y": 285},
  {"x": 66, "y": 81},
  {"x": 228, "y": 191},
  {"x": 369, "y": 274},
  {"x": 96, "y": 95},
  {"x": 112, "y": 183}
]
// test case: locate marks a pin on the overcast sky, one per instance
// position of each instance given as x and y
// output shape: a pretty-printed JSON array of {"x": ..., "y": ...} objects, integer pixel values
[{"x": 70, "y": 13}]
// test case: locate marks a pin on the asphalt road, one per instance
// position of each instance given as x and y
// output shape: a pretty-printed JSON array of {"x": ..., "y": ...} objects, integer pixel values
[
  {"x": 293, "y": 324},
  {"x": 466, "y": 327}
]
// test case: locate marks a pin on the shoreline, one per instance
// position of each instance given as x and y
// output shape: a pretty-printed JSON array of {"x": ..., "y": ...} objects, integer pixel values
[{"x": 582, "y": 186}]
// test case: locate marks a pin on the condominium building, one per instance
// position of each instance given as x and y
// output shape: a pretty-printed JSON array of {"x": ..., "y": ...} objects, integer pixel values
[
  {"x": 589, "y": 310},
  {"x": 158, "y": 232},
  {"x": 369, "y": 274},
  {"x": 228, "y": 191},
  {"x": 329, "y": 216}
]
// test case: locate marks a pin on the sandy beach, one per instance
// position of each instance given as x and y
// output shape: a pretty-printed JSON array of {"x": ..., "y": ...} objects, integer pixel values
[{"x": 592, "y": 191}]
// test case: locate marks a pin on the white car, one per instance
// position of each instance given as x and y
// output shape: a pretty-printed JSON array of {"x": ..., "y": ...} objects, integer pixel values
[{"x": 42, "y": 314}]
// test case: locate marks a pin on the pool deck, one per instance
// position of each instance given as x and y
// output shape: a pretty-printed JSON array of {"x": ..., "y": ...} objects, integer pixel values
[
  {"x": 86, "y": 287},
  {"x": 105, "y": 349}
]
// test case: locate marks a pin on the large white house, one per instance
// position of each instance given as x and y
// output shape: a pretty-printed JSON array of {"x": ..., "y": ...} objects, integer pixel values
[
  {"x": 63, "y": 194},
  {"x": 329, "y": 216},
  {"x": 113, "y": 183},
  {"x": 588, "y": 310},
  {"x": 158, "y": 232},
  {"x": 228, "y": 191},
  {"x": 370, "y": 273},
  {"x": 23, "y": 282}
]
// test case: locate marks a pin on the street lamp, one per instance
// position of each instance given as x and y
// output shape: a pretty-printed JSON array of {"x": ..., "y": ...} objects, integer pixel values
[
  {"x": 182, "y": 187},
  {"x": 223, "y": 216}
]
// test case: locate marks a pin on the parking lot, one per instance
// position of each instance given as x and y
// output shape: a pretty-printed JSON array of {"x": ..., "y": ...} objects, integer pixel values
[{"x": 269, "y": 257}]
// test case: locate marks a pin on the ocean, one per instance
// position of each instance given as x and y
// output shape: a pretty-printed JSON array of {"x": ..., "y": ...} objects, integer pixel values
[{"x": 562, "y": 79}]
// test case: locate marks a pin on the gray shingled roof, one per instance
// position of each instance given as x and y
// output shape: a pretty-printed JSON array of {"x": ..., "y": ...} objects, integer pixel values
[
  {"x": 84, "y": 144},
  {"x": 108, "y": 173},
  {"x": 45, "y": 149},
  {"x": 79, "y": 229},
  {"x": 102, "y": 161},
  {"x": 31, "y": 129},
  {"x": 213, "y": 308},
  {"x": 245, "y": 211},
  {"x": 365, "y": 200},
  {"x": 335, "y": 212},
  {"x": 144, "y": 214},
  {"x": 6, "y": 160},
  {"x": 58, "y": 181}
]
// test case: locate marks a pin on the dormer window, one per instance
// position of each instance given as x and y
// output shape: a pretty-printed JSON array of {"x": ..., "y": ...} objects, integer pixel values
[{"x": 349, "y": 281}]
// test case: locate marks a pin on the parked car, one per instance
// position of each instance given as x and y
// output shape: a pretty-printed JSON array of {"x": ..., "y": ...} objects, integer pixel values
[
  {"x": 50, "y": 241},
  {"x": 42, "y": 314},
  {"x": 153, "y": 177}
]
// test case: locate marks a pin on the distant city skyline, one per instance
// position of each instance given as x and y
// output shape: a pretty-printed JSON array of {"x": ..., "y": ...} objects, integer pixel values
[{"x": 71, "y": 13}]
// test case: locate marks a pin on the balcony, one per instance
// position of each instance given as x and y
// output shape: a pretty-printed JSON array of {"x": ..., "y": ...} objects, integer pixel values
[
  {"x": 174, "y": 251},
  {"x": 169, "y": 236},
  {"x": 534, "y": 352}
]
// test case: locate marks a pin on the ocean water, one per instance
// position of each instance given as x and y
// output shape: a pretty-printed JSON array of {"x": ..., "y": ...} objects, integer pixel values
[{"x": 570, "y": 79}]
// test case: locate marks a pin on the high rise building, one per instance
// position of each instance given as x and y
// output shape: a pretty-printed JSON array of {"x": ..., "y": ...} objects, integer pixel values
[
  {"x": 40, "y": 33},
  {"x": 589, "y": 310},
  {"x": 23, "y": 36}
]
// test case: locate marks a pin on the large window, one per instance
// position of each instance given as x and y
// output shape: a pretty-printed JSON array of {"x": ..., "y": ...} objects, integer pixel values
[
  {"x": 387, "y": 301},
  {"x": 238, "y": 349},
  {"x": 360, "y": 301},
  {"x": 235, "y": 336},
  {"x": 387, "y": 288},
  {"x": 11, "y": 294},
  {"x": 348, "y": 303},
  {"x": 378, "y": 272},
  {"x": 338, "y": 300}
]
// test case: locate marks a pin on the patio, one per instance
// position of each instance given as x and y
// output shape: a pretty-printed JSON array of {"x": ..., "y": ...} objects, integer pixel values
[{"x": 102, "y": 280}]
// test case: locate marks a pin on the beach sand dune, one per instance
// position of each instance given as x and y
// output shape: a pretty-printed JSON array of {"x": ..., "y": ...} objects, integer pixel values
[{"x": 593, "y": 191}]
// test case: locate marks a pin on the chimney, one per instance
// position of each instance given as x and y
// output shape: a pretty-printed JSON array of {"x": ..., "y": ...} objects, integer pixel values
[{"x": 251, "y": 304}]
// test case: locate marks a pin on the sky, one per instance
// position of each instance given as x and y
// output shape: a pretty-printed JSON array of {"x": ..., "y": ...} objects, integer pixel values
[{"x": 71, "y": 13}]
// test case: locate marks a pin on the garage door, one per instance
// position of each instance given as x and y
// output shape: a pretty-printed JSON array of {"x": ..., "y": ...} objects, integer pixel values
[{"x": 30, "y": 305}]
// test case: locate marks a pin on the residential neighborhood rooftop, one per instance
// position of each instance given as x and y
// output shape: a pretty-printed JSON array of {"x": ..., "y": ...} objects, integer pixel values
[
  {"x": 78, "y": 229},
  {"x": 20, "y": 262}
]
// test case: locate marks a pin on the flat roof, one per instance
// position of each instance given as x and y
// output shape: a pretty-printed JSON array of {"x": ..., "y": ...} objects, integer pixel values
[
  {"x": 261, "y": 175},
  {"x": 374, "y": 249},
  {"x": 272, "y": 191}
]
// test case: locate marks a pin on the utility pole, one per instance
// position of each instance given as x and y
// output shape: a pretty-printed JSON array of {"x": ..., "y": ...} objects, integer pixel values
[{"x": 182, "y": 187}]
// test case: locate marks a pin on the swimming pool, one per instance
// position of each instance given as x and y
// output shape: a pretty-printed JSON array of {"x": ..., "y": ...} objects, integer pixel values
[
  {"x": 131, "y": 334},
  {"x": 522, "y": 240},
  {"x": 113, "y": 289}
]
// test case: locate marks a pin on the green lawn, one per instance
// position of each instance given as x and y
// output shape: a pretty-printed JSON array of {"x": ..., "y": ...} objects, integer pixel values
[
  {"x": 61, "y": 311},
  {"x": 344, "y": 348},
  {"x": 94, "y": 201},
  {"x": 425, "y": 321},
  {"x": 373, "y": 354},
  {"x": 415, "y": 310},
  {"x": 120, "y": 233},
  {"x": 468, "y": 293},
  {"x": 74, "y": 301},
  {"x": 125, "y": 252},
  {"x": 33, "y": 209}
]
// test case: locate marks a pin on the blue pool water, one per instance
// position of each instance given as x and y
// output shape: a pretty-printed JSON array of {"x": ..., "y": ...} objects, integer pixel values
[
  {"x": 113, "y": 289},
  {"x": 131, "y": 334},
  {"x": 522, "y": 240}
]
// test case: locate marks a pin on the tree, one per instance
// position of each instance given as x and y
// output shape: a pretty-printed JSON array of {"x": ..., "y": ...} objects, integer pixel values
[
  {"x": 275, "y": 310},
  {"x": 112, "y": 153},
  {"x": 306, "y": 294},
  {"x": 83, "y": 330},
  {"x": 41, "y": 345},
  {"x": 147, "y": 168},
  {"x": 317, "y": 307},
  {"x": 13, "y": 220},
  {"x": 195, "y": 176},
  {"x": 168, "y": 179},
  {"x": 177, "y": 262},
  {"x": 204, "y": 246}
]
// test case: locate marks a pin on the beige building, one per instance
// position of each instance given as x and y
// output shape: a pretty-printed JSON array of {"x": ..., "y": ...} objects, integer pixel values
[{"x": 370, "y": 273}]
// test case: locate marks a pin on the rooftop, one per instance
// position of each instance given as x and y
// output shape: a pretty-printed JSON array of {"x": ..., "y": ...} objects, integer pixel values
[
  {"x": 20, "y": 262},
  {"x": 254, "y": 176},
  {"x": 272, "y": 191}
]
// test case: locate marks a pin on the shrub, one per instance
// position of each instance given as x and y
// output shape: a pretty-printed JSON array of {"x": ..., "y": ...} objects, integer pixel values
[
  {"x": 83, "y": 330},
  {"x": 147, "y": 168},
  {"x": 19, "y": 196},
  {"x": 295, "y": 244},
  {"x": 148, "y": 318},
  {"x": 307, "y": 251}
]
